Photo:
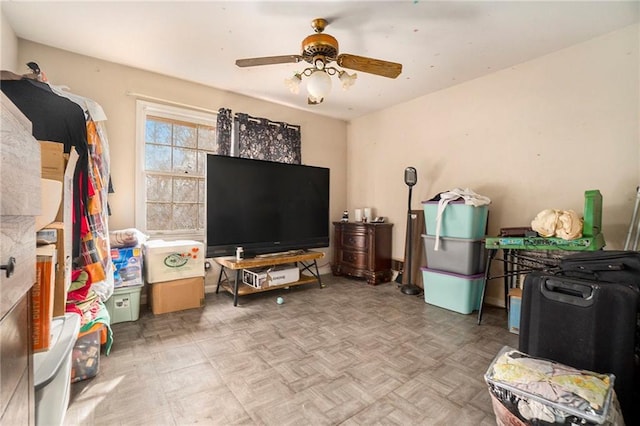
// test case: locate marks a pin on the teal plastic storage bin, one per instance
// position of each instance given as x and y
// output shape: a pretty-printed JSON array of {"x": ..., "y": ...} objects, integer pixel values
[
  {"x": 459, "y": 220},
  {"x": 124, "y": 304},
  {"x": 456, "y": 292}
]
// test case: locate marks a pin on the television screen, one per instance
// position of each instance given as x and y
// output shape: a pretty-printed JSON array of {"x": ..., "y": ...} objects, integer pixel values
[{"x": 264, "y": 206}]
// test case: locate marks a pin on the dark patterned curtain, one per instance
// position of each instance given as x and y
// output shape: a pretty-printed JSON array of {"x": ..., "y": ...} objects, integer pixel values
[
  {"x": 223, "y": 131},
  {"x": 262, "y": 139}
]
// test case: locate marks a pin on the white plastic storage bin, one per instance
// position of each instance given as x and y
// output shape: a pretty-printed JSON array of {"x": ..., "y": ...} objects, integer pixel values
[
  {"x": 460, "y": 255},
  {"x": 124, "y": 304},
  {"x": 173, "y": 260},
  {"x": 52, "y": 371},
  {"x": 456, "y": 292},
  {"x": 458, "y": 220}
]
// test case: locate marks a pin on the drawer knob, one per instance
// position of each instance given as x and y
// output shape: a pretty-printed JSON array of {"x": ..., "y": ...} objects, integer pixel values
[{"x": 9, "y": 267}]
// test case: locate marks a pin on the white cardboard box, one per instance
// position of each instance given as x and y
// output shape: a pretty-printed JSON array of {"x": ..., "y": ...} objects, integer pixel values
[
  {"x": 270, "y": 276},
  {"x": 173, "y": 260}
]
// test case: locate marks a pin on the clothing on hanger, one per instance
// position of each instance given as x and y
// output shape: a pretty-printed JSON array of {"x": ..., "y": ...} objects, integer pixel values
[{"x": 54, "y": 118}]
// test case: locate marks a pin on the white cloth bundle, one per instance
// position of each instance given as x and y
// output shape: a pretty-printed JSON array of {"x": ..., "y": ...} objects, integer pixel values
[{"x": 565, "y": 224}]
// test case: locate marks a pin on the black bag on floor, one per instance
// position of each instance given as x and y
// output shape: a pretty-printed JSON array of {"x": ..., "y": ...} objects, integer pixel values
[
  {"x": 585, "y": 324},
  {"x": 614, "y": 266}
]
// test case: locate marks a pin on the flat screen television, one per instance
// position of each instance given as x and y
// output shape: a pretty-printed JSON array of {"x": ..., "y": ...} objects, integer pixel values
[{"x": 265, "y": 206}]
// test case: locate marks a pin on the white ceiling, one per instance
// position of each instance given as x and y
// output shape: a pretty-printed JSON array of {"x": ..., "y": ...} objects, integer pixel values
[{"x": 439, "y": 43}]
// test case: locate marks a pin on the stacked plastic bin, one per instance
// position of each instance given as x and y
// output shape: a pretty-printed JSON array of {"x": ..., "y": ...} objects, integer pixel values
[
  {"x": 124, "y": 304},
  {"x": 456, "y": 258}
]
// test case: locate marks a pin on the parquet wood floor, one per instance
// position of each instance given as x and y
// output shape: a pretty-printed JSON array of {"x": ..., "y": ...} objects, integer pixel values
[{"x": 348, "y": 354}]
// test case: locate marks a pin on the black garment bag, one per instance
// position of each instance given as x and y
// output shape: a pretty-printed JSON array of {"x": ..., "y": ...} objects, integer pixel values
[{"x": 614, "y": 266}]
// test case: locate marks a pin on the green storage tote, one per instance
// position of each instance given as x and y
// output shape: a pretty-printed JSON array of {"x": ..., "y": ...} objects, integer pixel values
[
  {"x": 124, "y": 304},
  {"x": 459, "y": 220},
  {"x": 456, "y": 292}
]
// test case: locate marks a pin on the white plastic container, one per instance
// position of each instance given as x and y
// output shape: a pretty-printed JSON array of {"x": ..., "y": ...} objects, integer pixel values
[
  {"x": 52, "y": 371},
  {"x": 173, "y": 260}
]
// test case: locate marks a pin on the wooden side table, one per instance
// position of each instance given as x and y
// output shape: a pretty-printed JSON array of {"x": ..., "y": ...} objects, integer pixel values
[{"x": 363, "y": 250}]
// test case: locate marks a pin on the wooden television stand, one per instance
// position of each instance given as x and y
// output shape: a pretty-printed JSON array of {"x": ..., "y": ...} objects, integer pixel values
[{"x": 304, "y": 260}]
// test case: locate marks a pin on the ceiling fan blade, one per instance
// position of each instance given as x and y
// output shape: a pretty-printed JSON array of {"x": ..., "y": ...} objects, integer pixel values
[
  {"x": 369, "y": 65},
  {"x": 269, "y": 60}
]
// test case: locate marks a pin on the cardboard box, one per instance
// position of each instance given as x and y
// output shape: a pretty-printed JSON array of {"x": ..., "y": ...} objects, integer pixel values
[
  {"x": 172, "y": 260},
  {"x": 127, "y": 264},
  {"x": 52, "y": 160},
  {"x": 42, "y": 298},
  {"x": 176, "y": 295},
  {"x": 271, "y": 276},
  {"x": 53, "y": 164},
  {"x": 515, "y": 302},
  {"x": 55, "y": 233}
]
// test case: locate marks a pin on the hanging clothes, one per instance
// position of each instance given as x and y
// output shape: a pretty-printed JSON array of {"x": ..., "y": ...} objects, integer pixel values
[
  {"x": 60, "y": 116},
  {"x": 55, "y": 119},
  {"x": 95, "y": 249}
]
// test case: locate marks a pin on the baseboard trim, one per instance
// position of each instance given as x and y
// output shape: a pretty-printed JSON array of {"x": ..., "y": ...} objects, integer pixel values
[{"x": 494, "y": 301}]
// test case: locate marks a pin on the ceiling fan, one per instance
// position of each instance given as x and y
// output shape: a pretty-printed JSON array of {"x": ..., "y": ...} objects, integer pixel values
[{"x": 320, "y": 50}]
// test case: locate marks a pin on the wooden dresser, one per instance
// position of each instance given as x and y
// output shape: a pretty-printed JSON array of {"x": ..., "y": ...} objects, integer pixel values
[
  {"x": 19, "y": 204},
  {"x": 363, "y": 250}
]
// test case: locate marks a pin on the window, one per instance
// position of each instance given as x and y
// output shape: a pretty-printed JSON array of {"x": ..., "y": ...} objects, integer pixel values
[{"x": 172, "y": 148}]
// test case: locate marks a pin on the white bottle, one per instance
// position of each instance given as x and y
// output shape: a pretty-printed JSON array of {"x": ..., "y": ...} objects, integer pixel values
[{"x": 239, "y": 253}]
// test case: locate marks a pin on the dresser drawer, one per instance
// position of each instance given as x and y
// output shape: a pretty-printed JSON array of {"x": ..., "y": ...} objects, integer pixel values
[
  {"x": 14, "y": 351},
  {"x": 19, "y": 242},
  {"x": 356, "y": 259},
  {"x": 355, "y": 241}
]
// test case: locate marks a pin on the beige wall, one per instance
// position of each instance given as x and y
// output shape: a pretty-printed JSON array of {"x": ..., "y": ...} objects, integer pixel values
[
  {"x": 8, "y": 45},
  {"x": 323, "y": 139},
  {"x": 530, "y": 137}
]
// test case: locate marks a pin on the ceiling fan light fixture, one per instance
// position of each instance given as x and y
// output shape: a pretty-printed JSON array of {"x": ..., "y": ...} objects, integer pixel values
[
  {"x": 319, "y": 63},
  {"x": 313, "y": 101},
  {"x": 320, "y": 51},
  {"x": 318, "y": 85},
  {"x": 347, "y": 79},
  {"x": 293, "y": 83}
]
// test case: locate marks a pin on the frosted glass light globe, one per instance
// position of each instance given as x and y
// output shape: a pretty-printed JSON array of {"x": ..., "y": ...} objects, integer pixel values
[{"x": 319, "y": 84}]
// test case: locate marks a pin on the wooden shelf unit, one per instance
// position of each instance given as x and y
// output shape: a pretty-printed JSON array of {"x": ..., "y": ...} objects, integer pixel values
[{"x": 305, "y": 260}]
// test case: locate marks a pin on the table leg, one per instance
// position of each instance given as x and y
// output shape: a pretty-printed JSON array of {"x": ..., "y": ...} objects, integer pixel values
[
  {"x": 318, "y": 274},
  {"x": 219, "y": 278},
  {"x": 487, "y": 269},
  {"x": 507, "y": 275},
  {"x": 235, "y": 288}
]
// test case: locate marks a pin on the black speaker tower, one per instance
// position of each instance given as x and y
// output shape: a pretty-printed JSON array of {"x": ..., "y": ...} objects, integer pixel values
[{"x": 410, "y": 178}]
